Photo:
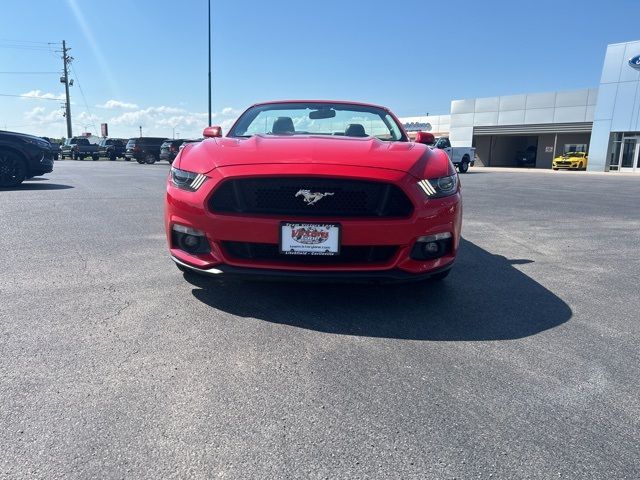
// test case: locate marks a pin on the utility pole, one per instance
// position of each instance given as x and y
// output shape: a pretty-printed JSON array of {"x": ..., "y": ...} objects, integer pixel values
[
  {"x": 209, "y": 62},
  {"x": 66, "y": 60}
]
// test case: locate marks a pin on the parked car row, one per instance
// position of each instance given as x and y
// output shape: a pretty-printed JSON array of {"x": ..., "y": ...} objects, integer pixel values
[
  {"x": 145, "y": 150},
  {"x": 149, "y": 150}
]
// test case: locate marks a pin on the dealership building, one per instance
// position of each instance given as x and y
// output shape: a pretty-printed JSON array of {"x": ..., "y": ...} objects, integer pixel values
[{"x": 512, "y": 130}]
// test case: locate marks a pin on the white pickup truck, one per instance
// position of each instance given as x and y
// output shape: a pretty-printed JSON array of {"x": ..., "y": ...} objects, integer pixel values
[{"x": 461, "y": 157}]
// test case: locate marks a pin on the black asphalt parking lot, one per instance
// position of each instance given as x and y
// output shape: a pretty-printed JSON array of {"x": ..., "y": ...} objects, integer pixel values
[{"x": 524, "y": 363}]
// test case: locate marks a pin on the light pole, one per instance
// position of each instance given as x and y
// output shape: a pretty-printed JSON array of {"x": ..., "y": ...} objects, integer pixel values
[
  {"x": 66, "y": 60},
  {"x": 140, "y": 127},
  {"x": 209, "y": 17}
]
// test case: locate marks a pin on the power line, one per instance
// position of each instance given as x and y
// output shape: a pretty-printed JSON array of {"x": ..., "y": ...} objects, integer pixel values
[
  {"x": 27, "y": 73},
  {"x": 34, "y": 48},
  {"x": 86, "y": 104},
  {"x": 31, "y": 124},
  {"x": 23, "y": 41},
  {"x": 30, "y": 96}
]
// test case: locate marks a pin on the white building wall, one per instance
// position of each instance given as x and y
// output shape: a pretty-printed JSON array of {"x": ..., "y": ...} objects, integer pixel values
[
  {"x": 618, "y": 108},
  {"x": 526, "y": 109}
]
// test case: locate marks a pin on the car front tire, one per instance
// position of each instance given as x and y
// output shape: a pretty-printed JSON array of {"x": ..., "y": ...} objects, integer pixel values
[{"x": 13, "y": 170}]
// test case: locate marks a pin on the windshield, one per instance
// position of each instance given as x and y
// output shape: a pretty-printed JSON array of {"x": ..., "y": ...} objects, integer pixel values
[{"x": 331, "y": 119}]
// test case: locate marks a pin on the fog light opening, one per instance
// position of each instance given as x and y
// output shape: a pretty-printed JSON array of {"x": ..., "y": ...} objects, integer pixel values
[
  {"x": 187, "y": 230},
  {"x": 431, "y": 246},
  {"x": 189, "y": 239}
]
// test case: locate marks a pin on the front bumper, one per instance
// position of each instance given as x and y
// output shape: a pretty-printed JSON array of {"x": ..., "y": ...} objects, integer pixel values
[
  {"x": 566, "y": 167},
  {"x": 42, "y": 163},
  {"x": 430, "y": 216},
  {"x": 224, "y": 272}
]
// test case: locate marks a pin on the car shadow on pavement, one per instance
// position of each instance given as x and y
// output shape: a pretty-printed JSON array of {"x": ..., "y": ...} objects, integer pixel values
[
  {"x": 37, "y": 186},
  {"x": 484, "y": 298}
]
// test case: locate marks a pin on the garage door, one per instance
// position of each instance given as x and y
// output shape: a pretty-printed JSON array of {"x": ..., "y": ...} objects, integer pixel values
[{"x": 537, "y": 129}]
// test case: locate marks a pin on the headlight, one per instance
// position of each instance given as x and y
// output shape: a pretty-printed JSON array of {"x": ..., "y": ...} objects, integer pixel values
[
  {"x": 439, "y": 187},
  {"x": 187, "y": 180}
]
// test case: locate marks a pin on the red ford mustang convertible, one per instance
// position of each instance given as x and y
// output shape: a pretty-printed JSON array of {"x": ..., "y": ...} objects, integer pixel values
[{"x": 314, "y": 189}]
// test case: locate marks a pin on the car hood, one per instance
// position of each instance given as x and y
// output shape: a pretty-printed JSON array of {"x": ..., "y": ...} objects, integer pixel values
[
  {"x": 16, "y": 135},
  {"x": 213, "y": 153}
]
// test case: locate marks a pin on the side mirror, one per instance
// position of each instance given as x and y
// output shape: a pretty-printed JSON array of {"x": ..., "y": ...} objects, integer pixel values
[
  {"x": 212, "y": 132},
  {"x": 425, "y": 137}
]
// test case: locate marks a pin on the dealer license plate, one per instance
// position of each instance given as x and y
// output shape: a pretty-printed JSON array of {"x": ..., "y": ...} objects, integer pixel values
[{"x": 309, "y": 238}]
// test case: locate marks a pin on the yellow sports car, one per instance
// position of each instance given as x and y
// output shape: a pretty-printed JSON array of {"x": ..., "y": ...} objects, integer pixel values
[{"x": 571, "y": 161}]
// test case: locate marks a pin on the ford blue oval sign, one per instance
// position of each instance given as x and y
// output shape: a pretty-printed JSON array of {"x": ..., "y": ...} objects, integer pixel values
[{"x": 635, "y": 62}]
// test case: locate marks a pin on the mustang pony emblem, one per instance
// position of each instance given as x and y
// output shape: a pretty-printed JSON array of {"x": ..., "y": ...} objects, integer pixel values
[{"x": 312, "y": 197}]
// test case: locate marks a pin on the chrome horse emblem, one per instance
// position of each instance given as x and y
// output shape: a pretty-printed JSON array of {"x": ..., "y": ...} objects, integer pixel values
[{"x": 312, "y": 197}]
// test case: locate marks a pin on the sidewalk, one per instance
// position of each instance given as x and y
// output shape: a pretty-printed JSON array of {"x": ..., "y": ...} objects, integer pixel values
[{"x": 549, "y": 171}]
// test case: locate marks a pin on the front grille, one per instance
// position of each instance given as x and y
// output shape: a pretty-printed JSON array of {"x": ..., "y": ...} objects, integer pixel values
[
  {"x": 282, "y": 196},
  {"x": 347, "y": 255}
]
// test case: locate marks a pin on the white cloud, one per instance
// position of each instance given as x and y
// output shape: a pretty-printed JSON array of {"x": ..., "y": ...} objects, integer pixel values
[
  {"x": 189, "y": 120},
  {"x": 123, "y": 118},
  {"x": 230, "y": 112},
  {"x": 167, "y": 120},
  {"x": 40, "y": 94},
  {"x": 111, "y": 104},
  {"x": 40, "y": 116},
  {"x": 88, "y": 122},
  {"x": 163, "y": 109},
  {"x": 227, "y": 124}
]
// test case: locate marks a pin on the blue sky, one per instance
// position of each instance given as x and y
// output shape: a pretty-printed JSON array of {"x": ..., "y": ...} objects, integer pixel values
[{"x": 145, "y": 62}]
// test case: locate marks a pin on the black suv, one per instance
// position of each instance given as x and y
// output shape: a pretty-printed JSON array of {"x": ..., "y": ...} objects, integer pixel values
[
  {"x": 112, "y": 148},
  {"x": 169, "y": 149},
  {"x": 23, "y": 156},
  {"x": 144, "y": 149}
]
